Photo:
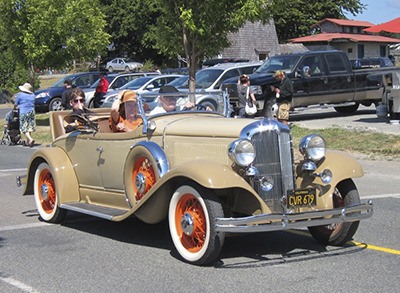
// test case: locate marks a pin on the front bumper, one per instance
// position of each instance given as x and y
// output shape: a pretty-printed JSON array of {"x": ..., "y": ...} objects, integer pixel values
[{"x": 276, "y": 222}]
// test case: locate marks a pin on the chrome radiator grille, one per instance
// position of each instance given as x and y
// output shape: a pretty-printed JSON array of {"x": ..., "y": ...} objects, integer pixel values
[{"x": 274, "y": 159}]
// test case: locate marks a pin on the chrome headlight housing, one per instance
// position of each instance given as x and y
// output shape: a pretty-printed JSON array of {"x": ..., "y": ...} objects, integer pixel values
[
  {"x": 242, "y": 152},
  {"x": 312, "y": 147}
]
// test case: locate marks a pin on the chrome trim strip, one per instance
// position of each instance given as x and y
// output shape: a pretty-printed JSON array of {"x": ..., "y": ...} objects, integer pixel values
[
  {"x": 87, "y": 212},
  {"x": 276, "y": 222}
]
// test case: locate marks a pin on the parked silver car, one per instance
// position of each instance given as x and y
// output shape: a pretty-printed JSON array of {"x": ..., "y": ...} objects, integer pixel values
[
  {"x": 123, "y": 64},
  {"x": 141, "y": 85}
]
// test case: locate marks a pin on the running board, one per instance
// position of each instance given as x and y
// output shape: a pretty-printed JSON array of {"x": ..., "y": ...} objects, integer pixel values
[{"x": 93, "y": 210}]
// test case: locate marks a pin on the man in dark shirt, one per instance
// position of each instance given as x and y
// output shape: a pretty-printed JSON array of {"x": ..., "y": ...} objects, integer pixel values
[
  {"x": 66, "y": 93},
  {"x": 284, "y": 94}
]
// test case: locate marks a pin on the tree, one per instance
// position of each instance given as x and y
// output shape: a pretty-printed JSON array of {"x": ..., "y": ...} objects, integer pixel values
[
  {"x": 294, "y": 18},
  {"x": 127, "y": 23},
  {"x": 53, "y": 33},
  {"x": 199, "y": 28}
]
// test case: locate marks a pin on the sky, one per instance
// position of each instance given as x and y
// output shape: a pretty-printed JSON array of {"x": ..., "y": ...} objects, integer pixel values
[{"x": 378, "y": 11}]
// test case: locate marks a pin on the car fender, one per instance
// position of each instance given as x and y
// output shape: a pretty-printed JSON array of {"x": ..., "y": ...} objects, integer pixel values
[
  {"x": 342, "y": 165},
  {"x": 67, "y": 185}
]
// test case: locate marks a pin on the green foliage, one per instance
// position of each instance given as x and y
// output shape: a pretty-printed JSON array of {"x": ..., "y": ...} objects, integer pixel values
[
  {"x": 53, "y": 33},
  {"x": 294, "y": 18}
]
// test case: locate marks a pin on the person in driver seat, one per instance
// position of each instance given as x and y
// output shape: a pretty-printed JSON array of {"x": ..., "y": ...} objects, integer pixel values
[
  {"x": 77, "y": 104},
  {"x": 124, "y": 116}
]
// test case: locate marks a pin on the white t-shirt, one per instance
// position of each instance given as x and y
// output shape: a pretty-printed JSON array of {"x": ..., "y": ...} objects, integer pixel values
[{"x": 157, "y": 110}]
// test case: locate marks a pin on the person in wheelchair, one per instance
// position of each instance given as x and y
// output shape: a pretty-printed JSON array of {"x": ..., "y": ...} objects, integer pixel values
[
  {"x": 79, "y": 118},
  {"x": 125, "y": 116}
]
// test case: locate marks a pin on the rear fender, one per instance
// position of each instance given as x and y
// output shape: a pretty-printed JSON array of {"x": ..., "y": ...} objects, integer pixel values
[{"x": 65, "y": 178}]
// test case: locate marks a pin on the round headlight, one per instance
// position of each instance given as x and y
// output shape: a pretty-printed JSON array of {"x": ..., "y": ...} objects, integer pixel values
[
  {"x": 312, "y": 147},
  {"x": 242, "y": 152}
]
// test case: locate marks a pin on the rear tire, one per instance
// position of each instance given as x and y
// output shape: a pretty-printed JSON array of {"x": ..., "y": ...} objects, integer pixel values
[
  {"x": 110, "y": 69},
  {"x": 345, "y": 194},
  {"x": 46, "y": 196},
  {"x": 193, "y": 210},
  {"x": 347, "y": 109}
]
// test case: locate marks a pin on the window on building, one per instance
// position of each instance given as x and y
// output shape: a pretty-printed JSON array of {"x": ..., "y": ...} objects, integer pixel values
[
  {"x": 383, "y": 51},
  {"x": 360, "y": 49}
]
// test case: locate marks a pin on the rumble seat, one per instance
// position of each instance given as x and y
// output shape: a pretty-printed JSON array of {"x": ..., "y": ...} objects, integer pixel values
[{"x": 56, "y": 119}]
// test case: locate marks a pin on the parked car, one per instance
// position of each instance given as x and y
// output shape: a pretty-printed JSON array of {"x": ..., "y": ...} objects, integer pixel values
[
  {"x": 371, "y": 62},
  {"x": 123, "y": 64},
  {"x": 209, "y": 80},
  {"x": 115, "y": 81},
  {"x": 50, "y": 99},
  {"x": 140, "y": 85},
  {"x": 208, "y": 175}
]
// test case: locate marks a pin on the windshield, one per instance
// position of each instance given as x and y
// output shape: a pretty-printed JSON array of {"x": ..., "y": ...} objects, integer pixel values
[
  {"x": 60, "y": 83},
  {"x": 136, "y": 83},
  {"x": 205, "y": 78},
  {"x": 179, "y": 81},
  {"x": 273, "y": 64}
]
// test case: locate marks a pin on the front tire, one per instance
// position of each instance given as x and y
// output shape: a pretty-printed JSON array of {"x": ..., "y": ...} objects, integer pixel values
[
  {"x": 56, "y": 104},
  {"x": 338, "y": 234},
  {"x": 192, "y": 214},
  {"x": 46, "y": 197}
]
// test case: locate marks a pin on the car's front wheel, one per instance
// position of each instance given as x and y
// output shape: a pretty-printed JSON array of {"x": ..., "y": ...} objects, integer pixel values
[
  {"x": 345, "y": 194},
  {"x": 56, "y": 105},
  {"x": 46, "y": 195},
  {"x": 192, "y": 213}
]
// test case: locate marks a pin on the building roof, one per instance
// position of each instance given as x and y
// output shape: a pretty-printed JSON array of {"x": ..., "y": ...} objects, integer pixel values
[
  {"x": 345, "y": 22},
  {"x": 332, "y": 37},
  {"x": 392, "y": 26}
]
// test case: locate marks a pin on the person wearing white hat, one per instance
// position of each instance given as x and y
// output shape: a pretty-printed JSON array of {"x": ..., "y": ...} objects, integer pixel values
[{"x": 25, "y": 103}]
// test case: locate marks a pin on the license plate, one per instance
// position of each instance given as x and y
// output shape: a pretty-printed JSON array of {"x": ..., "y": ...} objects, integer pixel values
[{"x": 301, "y": 198}]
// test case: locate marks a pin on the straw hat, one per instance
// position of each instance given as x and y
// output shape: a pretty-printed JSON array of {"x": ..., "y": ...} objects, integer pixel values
[{"x": 26, "y": 87}]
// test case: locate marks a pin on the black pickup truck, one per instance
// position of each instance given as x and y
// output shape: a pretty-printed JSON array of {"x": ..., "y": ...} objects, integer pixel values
[{"x": 320, "y": 78}]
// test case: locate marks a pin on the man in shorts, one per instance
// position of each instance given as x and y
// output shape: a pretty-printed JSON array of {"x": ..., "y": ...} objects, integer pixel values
[{"x": 284, "y": 94}]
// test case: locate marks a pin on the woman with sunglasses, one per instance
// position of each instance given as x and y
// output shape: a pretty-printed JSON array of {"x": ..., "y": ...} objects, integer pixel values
[{"x": 77, "y": 103}]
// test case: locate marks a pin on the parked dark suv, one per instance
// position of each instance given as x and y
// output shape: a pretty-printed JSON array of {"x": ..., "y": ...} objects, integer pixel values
[{"x": 50, "y": 99}]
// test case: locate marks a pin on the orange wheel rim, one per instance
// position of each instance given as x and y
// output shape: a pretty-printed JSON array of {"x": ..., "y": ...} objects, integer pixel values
[
  {"x": 194, "y": 237},
  {"x": 47, "y": 191},
  {"x": 143, "y": 177}
]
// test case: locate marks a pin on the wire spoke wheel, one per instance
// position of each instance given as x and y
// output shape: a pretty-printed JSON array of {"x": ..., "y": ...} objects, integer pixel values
[
  {"x": 143, "y": 177},
  {"x": 192, "y": 213}
]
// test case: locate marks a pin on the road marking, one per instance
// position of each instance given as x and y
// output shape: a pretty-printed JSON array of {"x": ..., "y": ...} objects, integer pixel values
[
  {"x": 393, "y": 195},
  {"x": 23, "y": 226},
  {"x": 13, "y": 170},
  {"x": 19, "y": 285},
  {"x": 374, "y": 247},
  {"x": 354, "y": 243}
]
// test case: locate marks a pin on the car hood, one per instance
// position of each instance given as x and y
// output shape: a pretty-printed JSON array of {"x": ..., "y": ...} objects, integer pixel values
[
  {"x": 255, "y": 79},
  {"x": 200, "y": 125},
  {"x": 51, "y": 91}
]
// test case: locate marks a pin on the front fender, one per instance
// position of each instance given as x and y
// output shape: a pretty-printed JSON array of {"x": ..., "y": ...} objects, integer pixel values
[
  {"x": 64, "y": 174},
  {"x": 342, "y": 165}
]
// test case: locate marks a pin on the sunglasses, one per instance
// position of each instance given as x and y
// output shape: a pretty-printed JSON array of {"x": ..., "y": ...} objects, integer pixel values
[{"x": 82, "y": 101}]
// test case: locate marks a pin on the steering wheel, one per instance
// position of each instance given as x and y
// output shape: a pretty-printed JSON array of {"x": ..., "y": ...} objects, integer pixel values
[{"x": 82, "y": 122}]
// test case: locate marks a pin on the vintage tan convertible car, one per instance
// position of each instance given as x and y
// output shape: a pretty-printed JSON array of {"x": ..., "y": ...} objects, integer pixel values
[{"x": 210, "y": 175}]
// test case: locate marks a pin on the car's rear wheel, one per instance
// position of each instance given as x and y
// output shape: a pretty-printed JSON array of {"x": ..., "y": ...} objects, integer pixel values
[
  {"x": 56, "y": 104},
  {"x": 347, "y": 109},
  {"x": 143, "y": 176},
  {"x": 192, "y": 214},
  {"x": 46, "y": 197},
  {"x": 110, "y": 69},
  {"x": 345, "y": 194}
]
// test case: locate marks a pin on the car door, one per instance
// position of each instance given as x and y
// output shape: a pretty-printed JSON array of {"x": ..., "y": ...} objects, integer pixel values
[
  {"x": 341, "y": 81},
  {"x": 310, "y": 82}
]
